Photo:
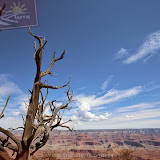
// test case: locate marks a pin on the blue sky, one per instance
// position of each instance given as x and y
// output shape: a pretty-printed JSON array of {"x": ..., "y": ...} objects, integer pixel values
[{"x": 113, "y": 57}]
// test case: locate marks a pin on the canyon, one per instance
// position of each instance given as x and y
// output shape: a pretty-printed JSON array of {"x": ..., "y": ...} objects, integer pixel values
[
  {"x": 103, "y": 144},
  {"x": 100, "y": 144}
]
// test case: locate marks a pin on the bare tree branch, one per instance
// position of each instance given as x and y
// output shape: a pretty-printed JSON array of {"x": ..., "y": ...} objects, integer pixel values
[
  {"x": 2, "y": 113},
  {"x": 71, "y": 129},
  {"x": 35, "y": 47},
  {"x": 66, "y": 105},
  {"x": 10, "y": 135},
  {"x": 62, "y": 56},
  {"x": 39, "y": 38},
  {"x": 1, "y": 10},
  {"x": 42, "y": 85},
  {"x": 23, "y": 119},
  {"x": 12, "y": 129},
  {"x": 46, "y": 96},
  {"x": 56, "y": 125},
  {"x": 66, "y": 122},
  {"x": 30, "y": 91},
  {"x": 48, "y": 70}
]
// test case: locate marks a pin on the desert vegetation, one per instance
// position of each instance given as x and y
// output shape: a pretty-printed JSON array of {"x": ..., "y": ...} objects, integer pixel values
[{"x": 125, "y": 155}]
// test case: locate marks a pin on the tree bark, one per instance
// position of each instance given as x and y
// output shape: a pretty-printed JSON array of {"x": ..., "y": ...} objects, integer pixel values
[
  {"x": 34, "y": 101},
  {"x": 32, "y": 109},
  {"x": 22, "y": 155}
]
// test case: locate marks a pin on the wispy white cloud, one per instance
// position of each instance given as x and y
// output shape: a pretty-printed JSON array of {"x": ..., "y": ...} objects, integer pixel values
[
  {"x": 129, "y": 117},
  {"x": 121, "y": 53},
  {"x": 111, "y": 96},
  {"x": 7, "y": 86},
  {"x": 106, "y": 82},
  {"x": 147, "y": 113},
  {"x": 148, "y": 57},
  {"x": 117, "y": 95},
  {"x": 15, "y": 113},
  {"x": 149, "y": 47},
  {"x": 140, "y": 106},
  {"x": 82, "y": 88},
  {"x": 119, "y": 124},
  {"x": 151, "y": 86},
  {"x": 140, "y": 114}
]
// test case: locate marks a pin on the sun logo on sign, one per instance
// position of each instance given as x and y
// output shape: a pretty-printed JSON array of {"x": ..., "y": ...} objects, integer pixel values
[{"x": 17, "y": 9}]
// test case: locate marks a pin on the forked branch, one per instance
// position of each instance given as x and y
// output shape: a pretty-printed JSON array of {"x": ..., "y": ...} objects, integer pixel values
[
  {"x": 65, "y": 106},
  {"x": 39, "y": 38},
  {"x": 48, "y": 70},
  {"x": 52, "y": 63},
  {"x": 62, "y": 56}
]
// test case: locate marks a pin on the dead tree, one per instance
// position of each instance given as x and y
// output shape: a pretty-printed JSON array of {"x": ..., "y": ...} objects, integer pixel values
[{"x": 37, "y": 125}]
